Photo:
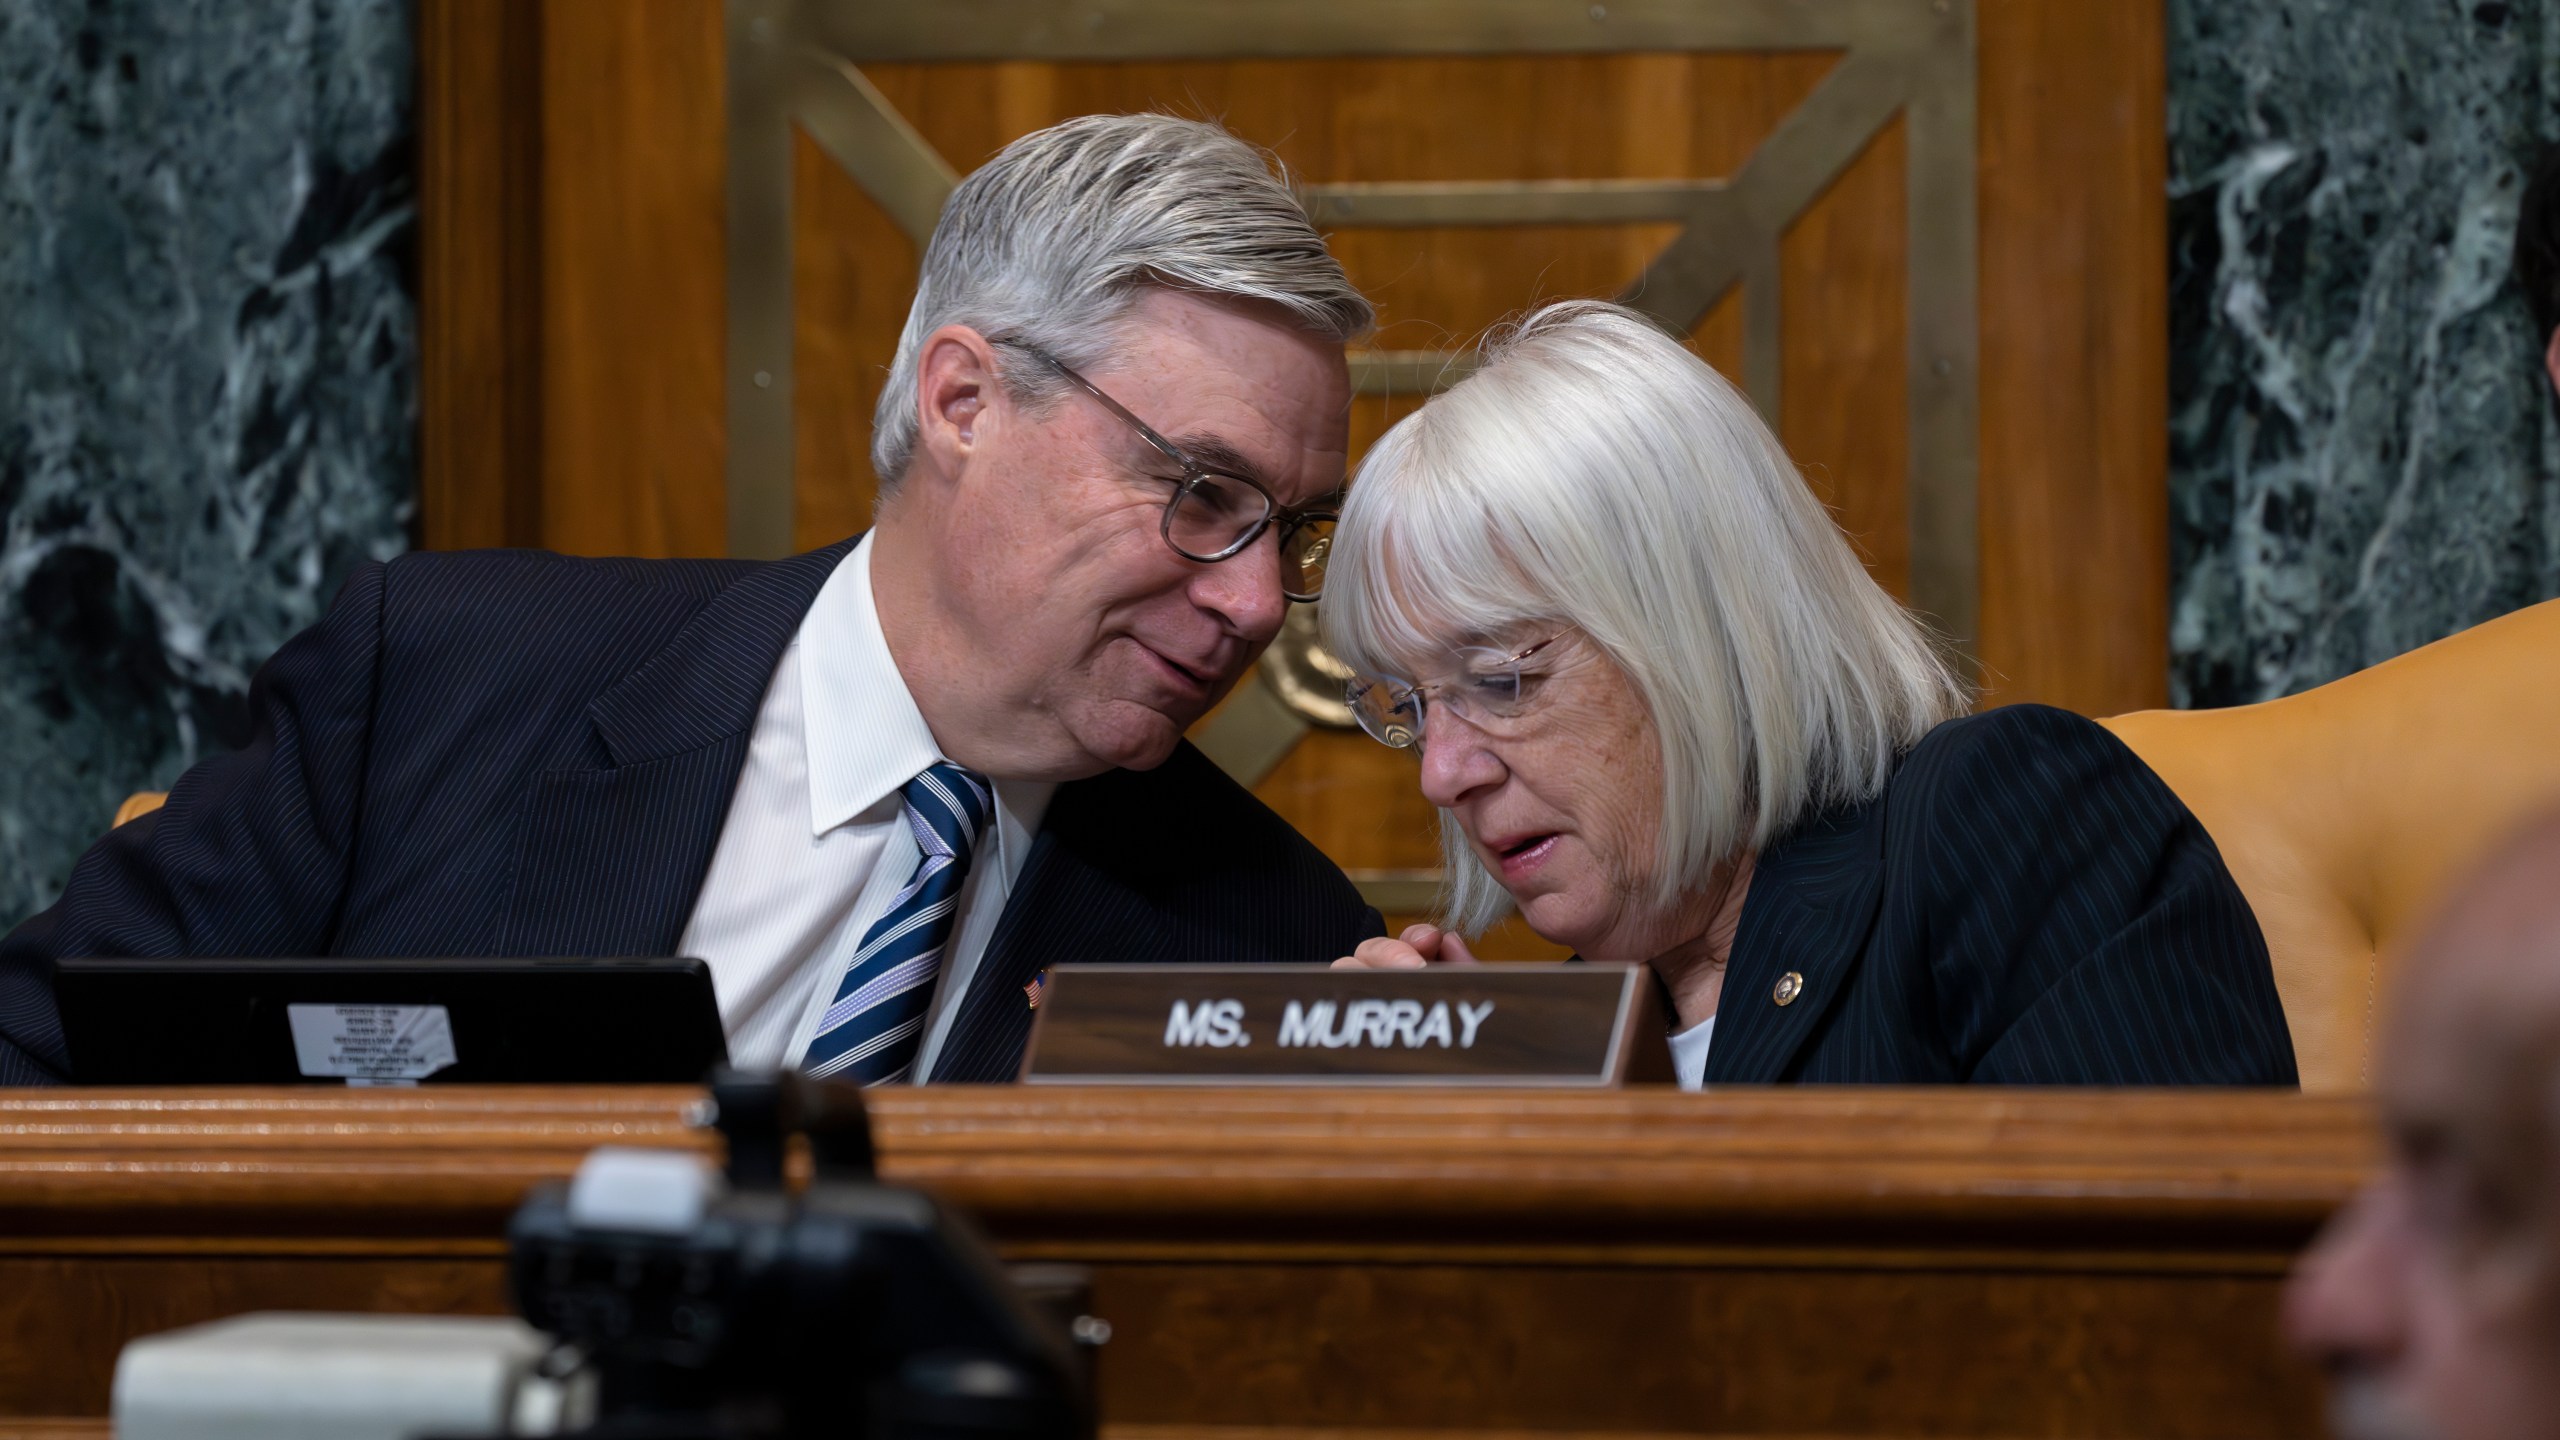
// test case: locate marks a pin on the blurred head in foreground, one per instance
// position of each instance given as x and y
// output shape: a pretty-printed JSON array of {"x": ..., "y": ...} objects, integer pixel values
[{"x": 2433, "y": 1300}]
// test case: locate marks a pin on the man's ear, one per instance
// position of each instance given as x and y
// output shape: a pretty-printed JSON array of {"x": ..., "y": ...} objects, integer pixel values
[
  {"x": 955, "y": 386},
  {"x": 2551, "y": 359}
]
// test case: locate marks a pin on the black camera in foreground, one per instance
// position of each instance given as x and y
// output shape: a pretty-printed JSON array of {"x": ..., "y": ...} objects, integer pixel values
[
  {"x": 744, "y": 1311},
  {"x": 670, "y": 1301}
]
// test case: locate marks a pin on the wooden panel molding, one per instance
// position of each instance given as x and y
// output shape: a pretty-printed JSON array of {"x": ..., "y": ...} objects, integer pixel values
[
  {"x": 479, "y": 282},
  {"x": 1866, "y": 1262},
  {"x": 2074, "y": 187},
  {"x": 573, "y": 186},
  {"x": 1342, "y": 1171}
]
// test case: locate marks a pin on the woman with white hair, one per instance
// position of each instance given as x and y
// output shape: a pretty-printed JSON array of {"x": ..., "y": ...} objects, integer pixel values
[{"x": 1666, "y": 714}]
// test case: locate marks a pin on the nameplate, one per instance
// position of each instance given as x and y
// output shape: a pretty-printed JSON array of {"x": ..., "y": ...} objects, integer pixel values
[{"x": 1542, "y": 1025}]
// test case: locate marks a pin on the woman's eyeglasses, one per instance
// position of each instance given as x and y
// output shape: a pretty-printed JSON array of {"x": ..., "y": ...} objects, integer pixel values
[
  {"x": 1213, "y": 517},
  {"x": 1489, "y": 685}
]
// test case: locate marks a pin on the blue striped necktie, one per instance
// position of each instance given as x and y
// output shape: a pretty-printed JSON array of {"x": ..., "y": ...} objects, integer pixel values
[{"x": 872, "y": 1032}]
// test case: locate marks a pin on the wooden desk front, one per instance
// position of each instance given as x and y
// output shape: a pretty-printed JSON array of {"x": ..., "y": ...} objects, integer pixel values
[{"x": 1836, "y": 1262}]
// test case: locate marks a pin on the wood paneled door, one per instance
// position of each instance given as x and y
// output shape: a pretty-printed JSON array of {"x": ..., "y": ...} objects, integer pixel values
[{"x": 586, "y": 387}]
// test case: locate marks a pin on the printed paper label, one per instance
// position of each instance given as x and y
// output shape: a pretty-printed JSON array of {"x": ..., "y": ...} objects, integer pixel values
[{"x": 375, "y": 1043}]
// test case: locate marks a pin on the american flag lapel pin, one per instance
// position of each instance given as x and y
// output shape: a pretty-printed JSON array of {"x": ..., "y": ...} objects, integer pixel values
[{"x": 1031, "y": 992}]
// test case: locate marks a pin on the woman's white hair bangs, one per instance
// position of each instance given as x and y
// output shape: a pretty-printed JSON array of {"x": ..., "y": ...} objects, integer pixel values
[
  {"x": 1451, "y": 560},
  {"x": 1503, "y": 505}
]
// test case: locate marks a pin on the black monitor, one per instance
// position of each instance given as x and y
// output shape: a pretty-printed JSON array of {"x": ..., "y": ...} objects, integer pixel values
[{"x": 389, "y": 1022}]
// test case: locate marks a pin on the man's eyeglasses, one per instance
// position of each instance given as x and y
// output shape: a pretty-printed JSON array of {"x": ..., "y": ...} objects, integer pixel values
[
  {"x": 1489, "y": 686},
  {"x": 1213, "y": 517}
]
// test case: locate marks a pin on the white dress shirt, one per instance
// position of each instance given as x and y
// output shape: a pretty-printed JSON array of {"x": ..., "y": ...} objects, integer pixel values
[
  {"x": 815, "y": 847},
  {"x": 1689, "y": 1053}
]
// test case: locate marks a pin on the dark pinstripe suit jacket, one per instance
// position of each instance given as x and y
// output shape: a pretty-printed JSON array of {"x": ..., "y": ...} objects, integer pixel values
[
  {"x": 516, "y": 753},
  {"x": 2025, "y": 904}
]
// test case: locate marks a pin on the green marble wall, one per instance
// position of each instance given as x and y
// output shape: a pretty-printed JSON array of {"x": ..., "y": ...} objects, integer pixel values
[
  {"x": 2362, "y": 439},
  {"x": 207, "y": 376}
]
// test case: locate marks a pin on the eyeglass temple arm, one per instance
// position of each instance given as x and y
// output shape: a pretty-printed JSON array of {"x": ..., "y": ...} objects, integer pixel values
[
  {"x": 1534, "y": 649},
  {"x": 1145, "y": 431},
  {"x": 1288, "y": 515}
]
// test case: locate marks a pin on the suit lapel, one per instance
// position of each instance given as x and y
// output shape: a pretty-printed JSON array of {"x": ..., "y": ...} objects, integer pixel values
[
  {"x": 1812, "y": 904},
  {"x": 611, "y": 853}
]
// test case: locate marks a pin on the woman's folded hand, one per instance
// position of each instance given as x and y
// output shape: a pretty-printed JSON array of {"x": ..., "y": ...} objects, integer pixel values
[{"x": 1418, "y": 946}]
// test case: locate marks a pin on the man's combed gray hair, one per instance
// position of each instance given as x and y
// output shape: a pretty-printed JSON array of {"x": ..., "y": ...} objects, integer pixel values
[
  {"x": 1055, "y": 238},
  {"x": 1593, "y": 473}
]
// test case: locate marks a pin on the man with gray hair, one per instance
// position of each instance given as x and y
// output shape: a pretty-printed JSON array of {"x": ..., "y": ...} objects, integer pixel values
[
  {"x": 2433, "y": 1300},
  {"x": 879, "y": 787}
]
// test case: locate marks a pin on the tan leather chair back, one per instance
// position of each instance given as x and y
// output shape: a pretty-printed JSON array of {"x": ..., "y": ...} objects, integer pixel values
[
  {"x": 2345, "y": 811},
  {"x": 140, "y": 803}
]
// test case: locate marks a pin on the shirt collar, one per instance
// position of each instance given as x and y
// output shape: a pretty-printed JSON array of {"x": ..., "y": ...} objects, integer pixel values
[{"x": 863, "y": 735}]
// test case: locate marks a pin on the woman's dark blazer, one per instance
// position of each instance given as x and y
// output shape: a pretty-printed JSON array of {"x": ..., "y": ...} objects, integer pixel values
[{"x": 2025, "y": 904}]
